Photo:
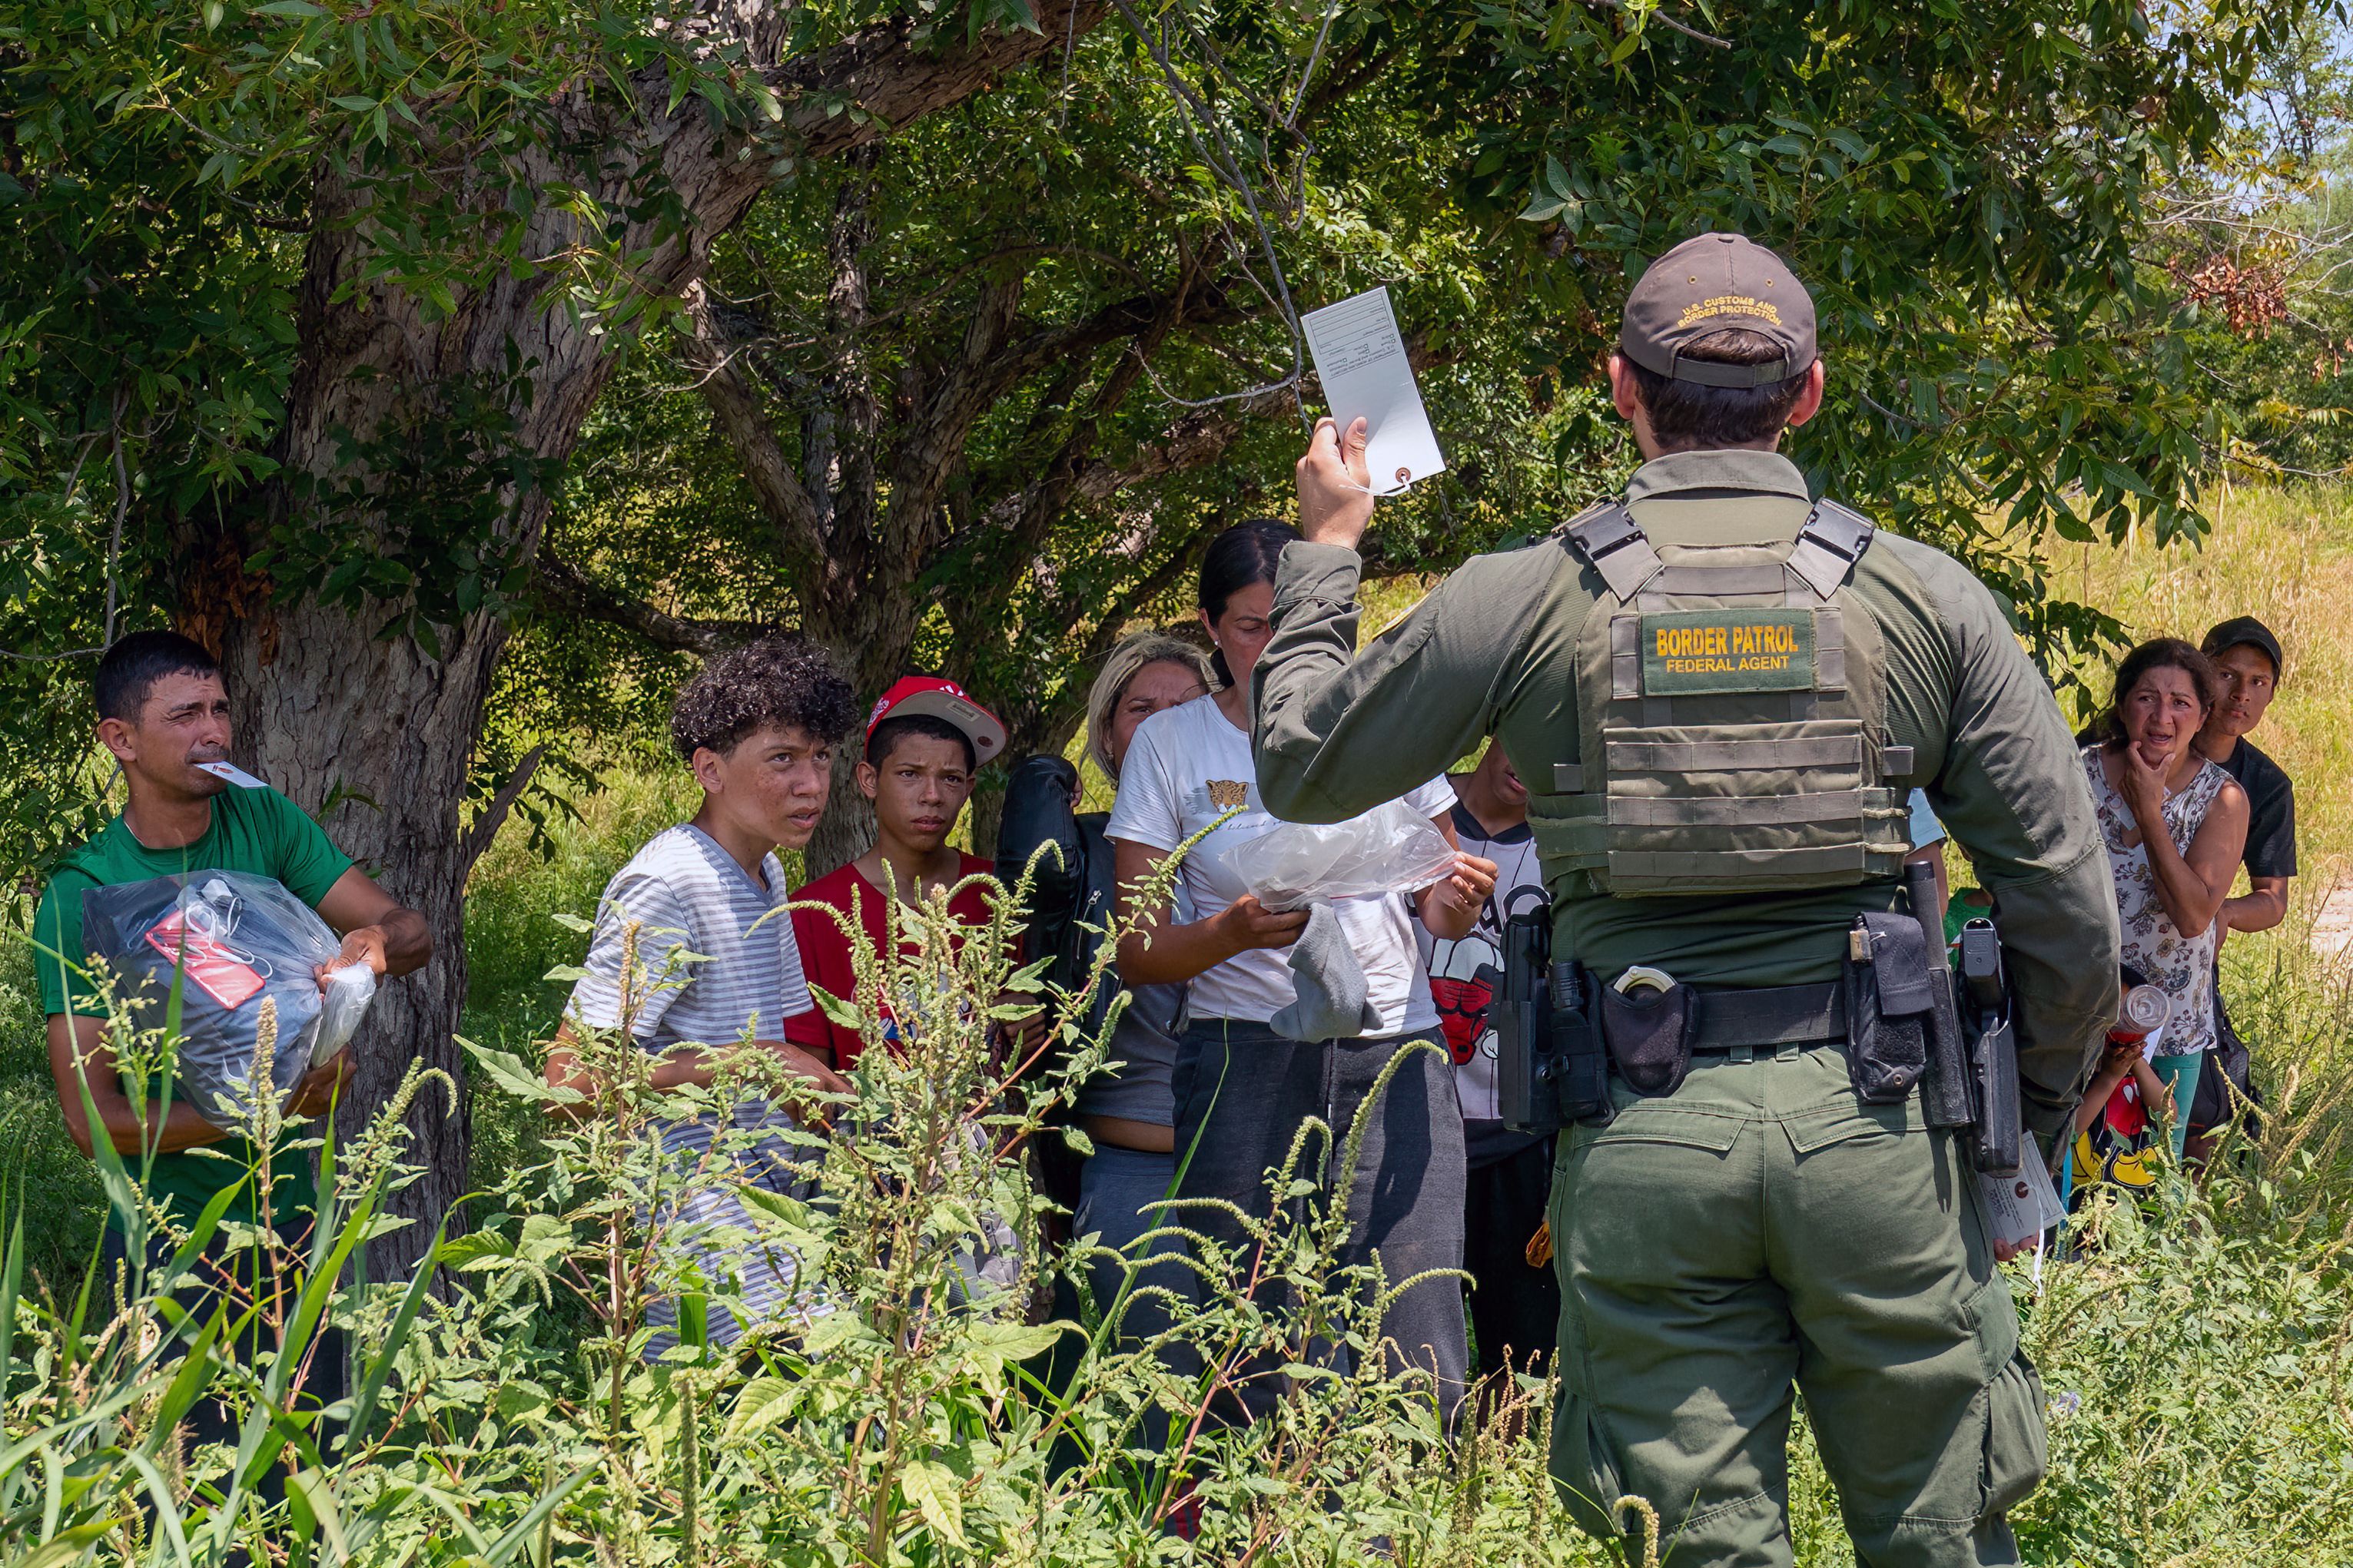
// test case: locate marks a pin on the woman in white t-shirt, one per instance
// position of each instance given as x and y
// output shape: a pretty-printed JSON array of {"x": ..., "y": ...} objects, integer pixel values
[{"x": 1242, "y": 1088}]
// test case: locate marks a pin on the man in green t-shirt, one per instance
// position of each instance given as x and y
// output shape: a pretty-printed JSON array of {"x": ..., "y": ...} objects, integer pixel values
[{"x": 164, "y": 713}]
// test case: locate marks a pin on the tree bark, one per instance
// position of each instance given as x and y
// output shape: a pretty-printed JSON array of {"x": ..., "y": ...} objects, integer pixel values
[{"x": 377, "y": 734}]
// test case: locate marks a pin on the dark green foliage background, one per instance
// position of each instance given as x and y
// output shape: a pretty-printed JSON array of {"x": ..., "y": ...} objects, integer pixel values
[{"x": 1976, "y": 195}]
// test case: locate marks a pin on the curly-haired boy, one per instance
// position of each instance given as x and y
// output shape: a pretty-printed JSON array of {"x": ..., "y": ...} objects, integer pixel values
[{"x": 758, "y": 727}]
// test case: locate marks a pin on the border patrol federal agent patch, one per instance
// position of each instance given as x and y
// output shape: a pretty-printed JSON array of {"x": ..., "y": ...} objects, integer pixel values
[{"x": 1699, "y": 651}]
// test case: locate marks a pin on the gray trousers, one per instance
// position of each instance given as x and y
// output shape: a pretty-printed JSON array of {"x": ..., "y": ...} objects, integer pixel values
[{"x": 1242, "y": 1092}]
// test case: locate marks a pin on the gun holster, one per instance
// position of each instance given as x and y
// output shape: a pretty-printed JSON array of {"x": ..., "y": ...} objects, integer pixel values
[
  {"x": 1550, "y": 1065},
  {"x": 1994, "y": 1146}
]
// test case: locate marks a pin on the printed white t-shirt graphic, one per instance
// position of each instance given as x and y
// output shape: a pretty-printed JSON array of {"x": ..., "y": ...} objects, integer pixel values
[
  {"x": 1188, "y": 766},
  {"x": 1465, "y": 974}
]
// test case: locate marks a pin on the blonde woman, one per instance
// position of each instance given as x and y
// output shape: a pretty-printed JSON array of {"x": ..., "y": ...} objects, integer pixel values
[{"x": 1127, "y": 1112}]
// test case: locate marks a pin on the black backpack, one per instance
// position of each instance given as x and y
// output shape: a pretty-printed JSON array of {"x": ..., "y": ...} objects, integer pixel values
[{"x": 1076, "y": 886}]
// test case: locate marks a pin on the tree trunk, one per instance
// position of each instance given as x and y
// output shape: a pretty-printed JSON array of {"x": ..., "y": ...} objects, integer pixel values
[
  {"x": 846, "y": 831},
  {"x": 871, "y": 630},
  {"x": 376, "y": 739},
  {"x": 374, "y": 731},
  {"x": 985, "y": 812}
]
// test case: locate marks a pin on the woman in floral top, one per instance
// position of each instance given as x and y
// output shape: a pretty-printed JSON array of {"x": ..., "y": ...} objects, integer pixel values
[{"x": 2145, "y": 774}]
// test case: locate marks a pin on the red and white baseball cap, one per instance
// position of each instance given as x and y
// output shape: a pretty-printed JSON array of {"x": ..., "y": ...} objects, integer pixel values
[{"x": 933, "y": 698}]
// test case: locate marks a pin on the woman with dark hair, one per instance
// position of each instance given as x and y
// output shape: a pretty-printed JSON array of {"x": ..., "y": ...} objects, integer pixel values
[
  {"x": 2174, "y": 824},
  {"x": 1242, "y": 1089}
]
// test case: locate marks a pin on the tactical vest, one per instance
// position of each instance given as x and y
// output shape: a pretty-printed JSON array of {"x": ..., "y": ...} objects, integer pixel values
[{"x": 1732, "y": 718}]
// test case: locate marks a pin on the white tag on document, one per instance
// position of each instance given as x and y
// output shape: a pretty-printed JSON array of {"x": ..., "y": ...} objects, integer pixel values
[
  {"x": 1361, "y": 359},
  {"x": 235, "y": 775}
]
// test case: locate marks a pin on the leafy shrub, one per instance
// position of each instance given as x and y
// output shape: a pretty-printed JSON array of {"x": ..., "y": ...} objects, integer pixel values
[
  {"x": 520, "y": 1404},
  {"x": 903, "y": 1412}
]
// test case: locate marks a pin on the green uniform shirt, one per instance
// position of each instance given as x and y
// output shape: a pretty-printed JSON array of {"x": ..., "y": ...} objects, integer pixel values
[
  {"x": 1493, "y": 650},
  {"x": 253, "y": 830}
]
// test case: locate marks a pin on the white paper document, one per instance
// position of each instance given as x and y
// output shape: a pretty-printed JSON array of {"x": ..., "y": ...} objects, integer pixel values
[
  {"x": 1361, "y": 359},
  {"x": 2021, "y": 1207},
  {"x": 235, "y": 775}
]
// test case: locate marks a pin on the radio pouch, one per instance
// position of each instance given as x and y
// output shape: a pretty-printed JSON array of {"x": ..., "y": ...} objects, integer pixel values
[
  {"x": 1649, "y": 1034},
  {"x": 1889, "y": 1000}
]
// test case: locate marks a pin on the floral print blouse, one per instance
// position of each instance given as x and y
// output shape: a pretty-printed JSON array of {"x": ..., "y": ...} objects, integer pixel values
[{"x": 2183, "y": 965}]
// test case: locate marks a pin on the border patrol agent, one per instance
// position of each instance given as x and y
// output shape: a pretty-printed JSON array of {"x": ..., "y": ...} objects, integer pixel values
[{"x": 1721, "y": 691}]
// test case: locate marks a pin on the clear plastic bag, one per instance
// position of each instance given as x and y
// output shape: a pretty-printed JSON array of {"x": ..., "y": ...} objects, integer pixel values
[
  {"x": 234, "y": 939},
  {"x": 1391, "y": 849}
]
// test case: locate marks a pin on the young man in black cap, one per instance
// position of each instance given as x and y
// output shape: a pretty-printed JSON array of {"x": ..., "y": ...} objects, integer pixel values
[{"x": 2248, "y": 655}]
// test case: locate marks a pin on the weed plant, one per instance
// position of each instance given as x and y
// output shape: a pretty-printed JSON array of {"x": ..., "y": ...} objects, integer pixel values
[{"x": 898, "y": 1410}]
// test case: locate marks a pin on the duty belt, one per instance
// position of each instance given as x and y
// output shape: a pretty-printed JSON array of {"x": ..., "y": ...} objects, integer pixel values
[{"x": 1731, "y": 1018}]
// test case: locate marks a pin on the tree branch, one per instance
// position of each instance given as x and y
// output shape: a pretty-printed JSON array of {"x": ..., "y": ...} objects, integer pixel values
[
  {"x": 486, "y": 827},
  {"x": 849, "y": 421},
  {"x": 778, "y": 489},
  {"x": 894, "y": 73},
  {"x": 933, "y": 441},
  {"x": 564, "y": 588}
]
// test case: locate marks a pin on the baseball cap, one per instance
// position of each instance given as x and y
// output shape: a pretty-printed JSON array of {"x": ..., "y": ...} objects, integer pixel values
[
  {"x": 931, "y": 697},
  {"x": 1706, "y": 285},
  {"x": 2245, "y": 631}
]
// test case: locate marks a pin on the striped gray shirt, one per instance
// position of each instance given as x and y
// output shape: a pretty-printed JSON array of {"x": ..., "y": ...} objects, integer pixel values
[{"x": 685, "y": 892}]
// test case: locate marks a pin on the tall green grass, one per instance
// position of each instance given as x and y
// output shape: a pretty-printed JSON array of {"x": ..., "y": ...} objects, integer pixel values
[{"x": 38, "y": 1164}]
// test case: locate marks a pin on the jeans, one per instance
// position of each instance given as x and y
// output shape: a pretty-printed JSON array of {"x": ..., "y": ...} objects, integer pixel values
[
  {"x": 1120, "y": 1199},
  {"x": 1120, "y": 1192},
  {"x": 1242, "y": 1092}
]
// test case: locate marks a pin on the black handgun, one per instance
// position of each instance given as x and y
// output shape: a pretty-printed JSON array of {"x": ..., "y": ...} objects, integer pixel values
[
  {"x": 1993, "y": 1051},
  {"x": 1948, "y": 1096},
  {"x": 1550, "y": 1068}
]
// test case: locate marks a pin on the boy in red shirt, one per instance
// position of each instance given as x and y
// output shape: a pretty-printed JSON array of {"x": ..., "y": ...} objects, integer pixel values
[{"x": 925, "y": 741}]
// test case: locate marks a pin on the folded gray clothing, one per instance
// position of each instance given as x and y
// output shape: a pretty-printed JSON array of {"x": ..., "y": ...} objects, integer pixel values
[{"x": 1331, "y": 1004}]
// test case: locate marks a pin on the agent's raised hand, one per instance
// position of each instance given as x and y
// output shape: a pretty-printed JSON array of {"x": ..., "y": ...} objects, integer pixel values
[{"x": 1335, "y": 487}]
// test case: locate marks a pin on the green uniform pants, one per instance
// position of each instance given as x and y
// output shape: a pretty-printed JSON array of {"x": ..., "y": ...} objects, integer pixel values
[{"x": 1763, "y": 1226}]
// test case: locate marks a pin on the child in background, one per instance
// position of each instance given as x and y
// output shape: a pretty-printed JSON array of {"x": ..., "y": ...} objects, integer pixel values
[{"x": 2127, "y": 1109}]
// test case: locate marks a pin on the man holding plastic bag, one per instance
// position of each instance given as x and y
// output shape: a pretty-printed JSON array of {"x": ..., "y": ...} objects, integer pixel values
[
  {"x": 212, "y": 885},
  {"x": 209, "y": 872}
]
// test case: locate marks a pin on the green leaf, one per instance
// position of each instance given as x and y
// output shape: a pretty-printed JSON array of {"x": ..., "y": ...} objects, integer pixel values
[
  {"x": 69, "y": 1546},
  {"x": 507, "y": 1070},
  {"x": 938, "y": 1495},
  {"x": 765, "y": 1402},
  {"x": 844, "y": 1014}
]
